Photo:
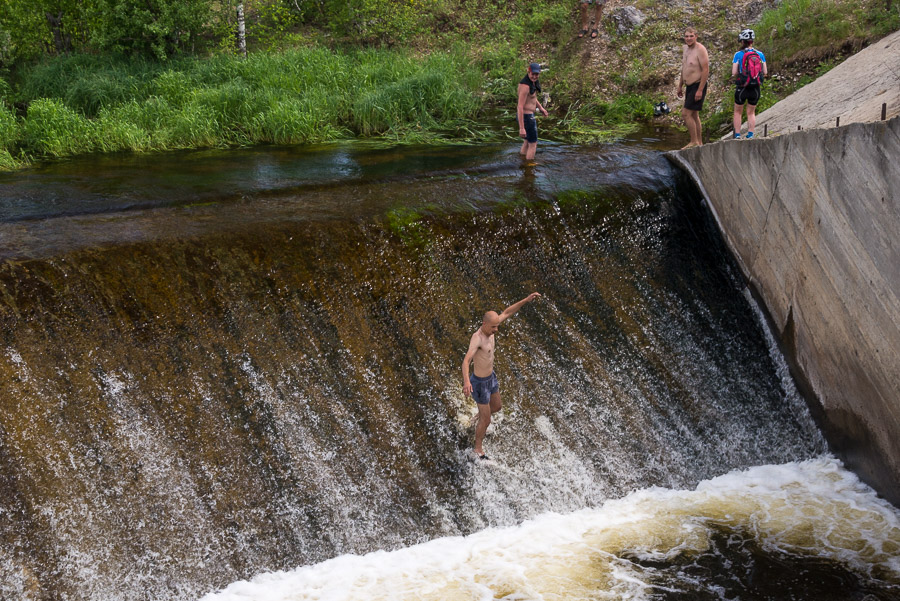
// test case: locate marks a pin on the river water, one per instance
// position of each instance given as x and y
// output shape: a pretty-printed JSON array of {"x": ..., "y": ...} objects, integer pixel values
[{"x": 235, "y": 375}]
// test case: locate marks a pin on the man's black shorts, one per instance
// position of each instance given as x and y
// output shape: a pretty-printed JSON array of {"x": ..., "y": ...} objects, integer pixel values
[
  {"x": 689, "y": 93},
  {"x": 750, "y": 95},
  {"x": 530, "y": 124}
]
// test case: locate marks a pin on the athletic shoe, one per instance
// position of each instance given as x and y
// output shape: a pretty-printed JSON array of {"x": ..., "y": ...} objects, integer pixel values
[
  {"x": 749, "y": 134},
  {"x": 737, "y": 136}
]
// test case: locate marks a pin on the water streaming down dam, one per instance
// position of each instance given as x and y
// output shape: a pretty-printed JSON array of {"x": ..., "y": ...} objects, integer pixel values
[{"x": 215, "y": 365}]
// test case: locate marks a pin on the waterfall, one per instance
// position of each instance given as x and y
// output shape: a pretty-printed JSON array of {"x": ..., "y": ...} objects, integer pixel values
[{"x": 196, "y": 392}]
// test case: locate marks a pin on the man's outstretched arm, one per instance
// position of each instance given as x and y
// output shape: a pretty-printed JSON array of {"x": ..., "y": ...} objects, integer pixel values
[{"x": 512, "y": 309}]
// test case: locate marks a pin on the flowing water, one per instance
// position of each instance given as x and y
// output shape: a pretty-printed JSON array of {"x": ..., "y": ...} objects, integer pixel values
[{"x": 240, "y": 372}]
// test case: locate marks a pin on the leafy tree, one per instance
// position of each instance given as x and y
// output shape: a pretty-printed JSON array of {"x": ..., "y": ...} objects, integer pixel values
[
  {"x": 37, "y": 27},
  {"x": 159, "y": 28}
]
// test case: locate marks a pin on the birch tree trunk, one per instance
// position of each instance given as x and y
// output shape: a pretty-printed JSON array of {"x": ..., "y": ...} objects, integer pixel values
[{"x": 241, "y": 32}]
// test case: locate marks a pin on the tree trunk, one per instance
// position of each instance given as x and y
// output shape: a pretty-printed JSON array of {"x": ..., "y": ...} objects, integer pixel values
[
  {"x": 241, "y": 32},
  {"x": 60, "y": 40}
]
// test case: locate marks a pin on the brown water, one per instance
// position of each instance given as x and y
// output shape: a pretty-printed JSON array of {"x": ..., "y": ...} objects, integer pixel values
[{"x": 221, "y": 363}]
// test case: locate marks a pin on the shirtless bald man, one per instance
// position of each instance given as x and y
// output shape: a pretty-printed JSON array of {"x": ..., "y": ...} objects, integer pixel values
[
  {"x": 694, "y": 75},
  {"x": 482, "y": 384}
]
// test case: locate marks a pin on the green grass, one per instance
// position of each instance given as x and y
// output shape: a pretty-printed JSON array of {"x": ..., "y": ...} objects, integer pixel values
[
  {"x": 796, "y": 26},
  {"x": 809, "y": 30},
  {"x": 83, "y": 104}
]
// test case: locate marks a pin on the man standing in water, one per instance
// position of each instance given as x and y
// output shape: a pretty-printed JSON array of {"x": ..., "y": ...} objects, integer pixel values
[
  {"x": 694, "y": 69},
  {"x": 482, "y": 384},
  {"x": 528, "y": 102}
]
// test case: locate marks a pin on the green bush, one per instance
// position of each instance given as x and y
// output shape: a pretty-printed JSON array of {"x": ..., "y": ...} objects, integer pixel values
[{"x": 158, "y": 29}]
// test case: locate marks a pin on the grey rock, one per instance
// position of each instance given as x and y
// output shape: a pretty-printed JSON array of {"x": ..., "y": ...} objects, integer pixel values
[{"x": 627, "y": 18}]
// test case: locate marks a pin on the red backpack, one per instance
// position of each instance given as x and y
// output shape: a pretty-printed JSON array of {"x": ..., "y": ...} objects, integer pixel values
[{"x": 751, "y": 75}]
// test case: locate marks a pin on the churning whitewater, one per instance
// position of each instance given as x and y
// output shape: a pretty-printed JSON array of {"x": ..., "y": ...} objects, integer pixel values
[{"x": 813, "y": 509}]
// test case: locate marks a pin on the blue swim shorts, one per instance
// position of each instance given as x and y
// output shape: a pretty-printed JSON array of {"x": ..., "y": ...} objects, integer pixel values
[
  {"x": 530, "y": 124},
  {"x": 483, "y": 388}
]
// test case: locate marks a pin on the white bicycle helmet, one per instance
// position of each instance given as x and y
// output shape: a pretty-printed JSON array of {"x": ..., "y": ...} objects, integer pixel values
[{"x": 746, "y": 34}]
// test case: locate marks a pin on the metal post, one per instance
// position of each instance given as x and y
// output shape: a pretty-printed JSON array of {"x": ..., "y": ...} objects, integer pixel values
[
  {"x": 838, "y": 122},
  {"x": 883, "y": 111},
  {"x": 766, "y": 130}
]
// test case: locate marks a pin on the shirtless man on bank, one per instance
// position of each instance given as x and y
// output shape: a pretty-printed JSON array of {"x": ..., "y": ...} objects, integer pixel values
[
  {"x": 482, "y": 384},
  {"x": 694, "y": 69}
]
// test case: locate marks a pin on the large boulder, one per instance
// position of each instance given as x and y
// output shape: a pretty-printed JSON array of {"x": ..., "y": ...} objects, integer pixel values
[{"x": 627, "y": 18}]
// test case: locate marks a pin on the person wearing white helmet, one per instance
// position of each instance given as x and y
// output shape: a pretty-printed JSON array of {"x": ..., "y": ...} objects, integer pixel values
[{"x": 748, "y": 68}]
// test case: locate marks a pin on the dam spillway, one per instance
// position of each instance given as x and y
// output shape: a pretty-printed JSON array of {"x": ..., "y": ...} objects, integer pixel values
[
  {"x": 811, "y": 218},
  {"x": 250, "y": 361}
]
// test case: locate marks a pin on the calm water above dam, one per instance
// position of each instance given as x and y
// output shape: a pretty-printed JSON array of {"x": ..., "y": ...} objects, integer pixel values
[{"x": 235, "y": 375}]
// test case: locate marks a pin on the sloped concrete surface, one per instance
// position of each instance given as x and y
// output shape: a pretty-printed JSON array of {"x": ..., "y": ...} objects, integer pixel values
[
  {"x": 814, "y": 220},
  {"x": 853, "y": 91}
]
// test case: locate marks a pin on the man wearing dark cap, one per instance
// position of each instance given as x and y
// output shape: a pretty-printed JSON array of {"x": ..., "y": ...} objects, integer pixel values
[{"x": 528, "y": 102}]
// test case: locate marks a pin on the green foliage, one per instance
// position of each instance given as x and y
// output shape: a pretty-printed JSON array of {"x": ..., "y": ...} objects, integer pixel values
[
  {"x": 7, "y": 162},
  {"x": 53, "y": 129},
  {"x": 290, "y": 121},
  {"x": 86, "y": 82},
  {"x": 160, "y": 28},
  {"x": 300, "y": 96},
  {"x": 7, "y": 48},
  {"x": 274, "y": 22},
  {"x": 36, "y": 27},
  {"x": 6, "y": 92},
  {"x": 9, "y": 128},
  {"x": 795, "y": 26}
]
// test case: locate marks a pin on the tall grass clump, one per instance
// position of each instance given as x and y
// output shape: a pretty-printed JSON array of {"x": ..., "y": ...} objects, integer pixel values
[
  {"x": 421, "y": 100},
  {"x": 53, "y": 129},
  {"x": 87, "y": 83},
  {"x": 305, "y": 95},
  {"x": 9, "y": 137},
  {"x": 9, "y": 128}
]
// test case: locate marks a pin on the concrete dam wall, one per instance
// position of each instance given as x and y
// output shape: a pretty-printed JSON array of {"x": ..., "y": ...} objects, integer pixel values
[{"x": 813, "y": 219}]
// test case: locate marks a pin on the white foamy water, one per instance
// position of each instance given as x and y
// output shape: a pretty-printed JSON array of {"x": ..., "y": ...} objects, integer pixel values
[{"x": 813, "y": 508}]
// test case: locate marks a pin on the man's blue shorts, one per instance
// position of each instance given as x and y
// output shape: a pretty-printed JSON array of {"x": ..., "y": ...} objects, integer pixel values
[
  {"x": 483, "y": 388},
  {"x": 530, "y": 124}
]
